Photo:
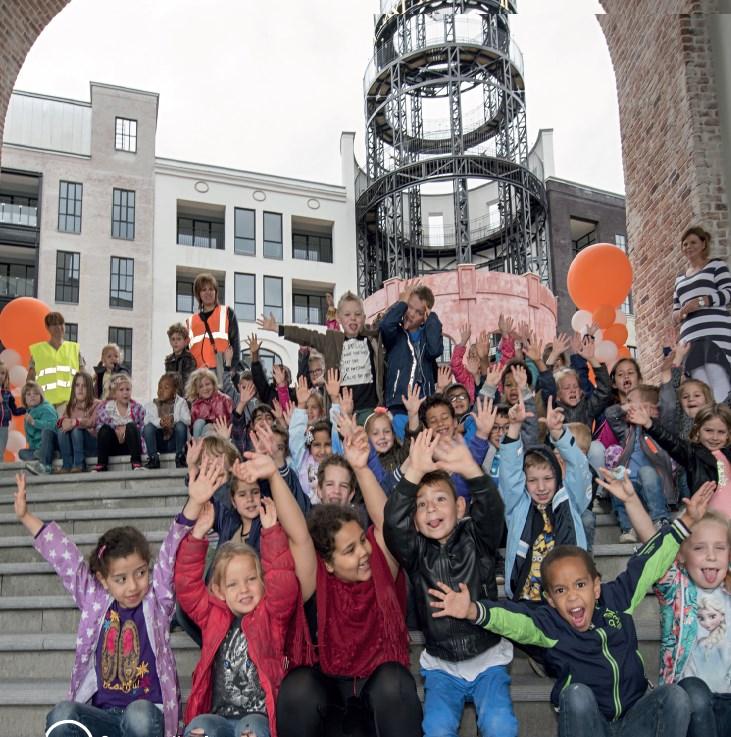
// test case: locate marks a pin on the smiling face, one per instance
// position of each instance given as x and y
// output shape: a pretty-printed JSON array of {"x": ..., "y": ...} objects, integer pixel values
[
  {"x": 709, "y": 618},
  {"x": 351, "y": 558},
  {"x": 569, "y": 392},
  {"x": 337, "y": 486},
  {"x": 321, "y": 446},
  {"x": 416, "y": 313},
  {"x": 440, "y": 419},
  {"x": 241, "y": 587},
  {"x": 56, "y": 333},
  {"x": 246, "y": 500},
  {"x": 459, "y": 399},
  {"x": 626, "y": 378},
  {"x": 694, "y": 248},
  {"x": 208, "y": 296},
  {"x": 692, "y": 398},
  {"x": 206, "y": 388},
  {"x": 540, "y": 481},
  {"x": 705, "y": 554},
  {"x": 127, "y": 580},
  {"x": 314, "y": 410},
  {"x": 437, "y": 510},
  {"x": 572, "y": 592},
  {"x": 499, "y": 429},
  {"x": 713, "y": 434},
  {"x": 380, "y": 433},
  {"x": 351, "y": 317}
]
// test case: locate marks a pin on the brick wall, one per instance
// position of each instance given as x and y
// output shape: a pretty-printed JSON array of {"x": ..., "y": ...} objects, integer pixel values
[
  {"x": 20, "y": 25},
  {"x": 671, "y": 143}
]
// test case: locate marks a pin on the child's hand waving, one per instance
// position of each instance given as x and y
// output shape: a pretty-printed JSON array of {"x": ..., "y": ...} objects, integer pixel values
[
  {"x": 450, "y": 603},
  {"x": 697, "y": 505},
  {"x": 268, "y": 512},
  {"x": 620, "y": 489},
  {"x": 20, "y": 502},
  {"x": 204, "y": 524},
  {"x": 421, "y": 456},
  {"x": 484, "y": 415}
]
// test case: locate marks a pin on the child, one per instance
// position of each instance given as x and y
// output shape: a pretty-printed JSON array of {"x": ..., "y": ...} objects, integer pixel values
[
  {"x": 331, "y": 316},
  {"x": 649, "y": 465},
  {"x": 585, "y": 634},
  {"x": 119, "y": 424},
  {"x": 542, "y": 509},
  {"x": 387, "y": 454},
  {"x": 706, "y": 456},
  {"x": 208, "y": 404},
  {"x": 8, "y": 407},
  {"x": 356, "y": 352},
  {"x": 245, "y": 616},
  {"x": 109, "y": 365},
  {"x": 76, "y": 428},
  {"x": 457, "y": 396},
  {"x": 124, "y": 679},
  {"x": 426, "y": 529},
  {"x": 181, "y": 361},
  {"x": 582, "y": 436},
  {"x": 40, "y": 426},
  {"x": 491, "y": 464},
  {"x": 167, "y": 419}
]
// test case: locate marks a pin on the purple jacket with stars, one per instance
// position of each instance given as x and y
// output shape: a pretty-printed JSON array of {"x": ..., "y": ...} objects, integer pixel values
[{"x": 93, "y": 601}]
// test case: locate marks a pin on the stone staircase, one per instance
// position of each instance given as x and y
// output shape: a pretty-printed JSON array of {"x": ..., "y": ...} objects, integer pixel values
[{"x": 38, "y": 619}]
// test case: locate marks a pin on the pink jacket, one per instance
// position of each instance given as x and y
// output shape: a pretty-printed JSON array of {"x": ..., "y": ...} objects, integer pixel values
[{"x": 217, "y": 405}]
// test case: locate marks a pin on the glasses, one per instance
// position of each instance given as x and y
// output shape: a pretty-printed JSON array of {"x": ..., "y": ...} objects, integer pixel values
[
  {"x": 459, "y": 398},
  {"x": 501, "y": 429},
  {"x": 315, "y": 371}
]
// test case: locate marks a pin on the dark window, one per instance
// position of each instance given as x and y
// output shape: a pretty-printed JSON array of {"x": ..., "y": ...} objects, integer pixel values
[
  {"x": 71, "y": 331},
  {"x": 627, "y": 307},
  {"x": 69, "y": 206},
  {"x": 273, "y": 301},
  {"x": 123, "y": 214},
  {"x": 123, "y": 338},
  {"x": 267, "y": 359},
  {"x": 309, "y": 309},
  {"x": 447, "y": 348},
  {"x": 125, "y": 135},
  {"x": 68, "y": 266},
  {"x": 245, "y": 297},
  {"x": 121, "y": 282},
  {"x": 201, "y": 233},
  {"x": 17, "y": 280},
  {"x": 244, "y": 232},
  {"x": 184, "y": 296},
  {"x": 312, "y": 247},
  {"x": 272, "y": 235},
  {"x": 583, "y": 233}
]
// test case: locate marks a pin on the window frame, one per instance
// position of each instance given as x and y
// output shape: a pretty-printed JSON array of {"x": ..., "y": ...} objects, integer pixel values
[
  {"x": 310, "y": 249},
  {"x": 272, "y": 309},
  {"x": 126, "y": 207},
  {"x": 238, "y": 302},
  {"x": 119, "y": 290},
  {"x": 71, "y": 331},
  {"x": 121, "y": 135},
  {"x": 280, "y": 242},
  {"x": 65, "y": 284},
  {"x": 78, "y": 187},
  {"x": 126, "y": 351},
  {"x": 238, "y": 238},
  {"x": 322, "y": 307}
]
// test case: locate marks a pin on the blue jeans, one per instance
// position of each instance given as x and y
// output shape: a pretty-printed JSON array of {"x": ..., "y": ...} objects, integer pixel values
[
  {"x": 710, "y": 712},
  {"x": 588, "y": 521},
  {"x": 257, "y": 725},
  {"x": 445, "y": 696},
  {"x": 662, "y": 711},
  {"x": 75, "y": 445},
  {"x": 198, "y": 427},
  {"x": 44, "y": 452},
  {"x": 140, "y": 719},
  {"x": 156, "y": 443},
  {"x": 648, "y": 486}
]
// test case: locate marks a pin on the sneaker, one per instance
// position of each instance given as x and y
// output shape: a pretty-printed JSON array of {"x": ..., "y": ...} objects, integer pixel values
[
  {"x": 137, "y": 467},
  {"x": 77, "y": 469},
  {"x": 153, "y": 462},
  {"x": 628, "y": 536},
  {"x": 180, "y": 461},
  {"x": 99, "y": 468},
  {"x": 537, "y": 668}
]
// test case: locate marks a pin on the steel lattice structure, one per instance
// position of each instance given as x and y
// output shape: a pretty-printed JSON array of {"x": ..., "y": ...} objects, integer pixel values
[{"x": 439, "y": 52}]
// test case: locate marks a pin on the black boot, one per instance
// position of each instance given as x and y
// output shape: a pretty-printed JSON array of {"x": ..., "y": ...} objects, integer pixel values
[
  {"x": 153, "y": 461},
  {"x": 180, "y": 460}
]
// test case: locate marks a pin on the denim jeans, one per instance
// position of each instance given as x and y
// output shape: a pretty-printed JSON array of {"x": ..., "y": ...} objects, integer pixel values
[
  {"x": 75, "y": 446},
  {"x": 710, "y": 712},
  {"x": 662, "y": 711},
  {"x": 588, "y": 521},
  {"x": 648, "y": 486},
  {"x": 156, "y": 443},
  {"x": 44, "y": 452},
  {"x": 215, "y": 726},
  {"x": 445, "y": 696},
  {"x": 199, "y": 427},
  {"x": 140, "y": 719}
]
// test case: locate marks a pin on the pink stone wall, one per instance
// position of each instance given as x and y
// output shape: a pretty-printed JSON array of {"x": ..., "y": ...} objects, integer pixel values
[{"x": 478, "y": 297}]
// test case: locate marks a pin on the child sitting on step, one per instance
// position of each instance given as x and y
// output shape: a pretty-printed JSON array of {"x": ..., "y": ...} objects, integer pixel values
[
  {"x": 124, "y": 679},
  {"x": 40, "y": 426},
  {"x": 76, "y": 428},
  {"x": 207, "y": 403},
  {"x": 119, "y": 424}
]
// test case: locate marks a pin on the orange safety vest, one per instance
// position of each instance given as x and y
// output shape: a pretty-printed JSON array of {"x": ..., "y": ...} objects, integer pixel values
[{"x": 200, "y": 341}]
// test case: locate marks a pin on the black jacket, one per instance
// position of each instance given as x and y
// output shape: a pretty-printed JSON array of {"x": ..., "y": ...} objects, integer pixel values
[
  {"x": 699, "y": 463},
  {"x": 467, "y": 557},
  {"x": 99, "y": 372},
  {"x": 182, "y": 365}
]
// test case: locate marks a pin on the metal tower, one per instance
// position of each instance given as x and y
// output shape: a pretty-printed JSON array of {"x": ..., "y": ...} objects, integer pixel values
[{"x": 455, "y": 58}]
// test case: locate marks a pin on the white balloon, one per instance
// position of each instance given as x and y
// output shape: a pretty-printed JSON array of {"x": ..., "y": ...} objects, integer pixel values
[
  {"x": 580, "y": 321},
  {"x": 599, "y": 336},
  {"x": 606, "y": 351},
  {"x": 18, "y": 375},
  {"x": 620, "y": 318},
  {"x": 10, "y": 358},
  {"x": 16, "y": 441}
]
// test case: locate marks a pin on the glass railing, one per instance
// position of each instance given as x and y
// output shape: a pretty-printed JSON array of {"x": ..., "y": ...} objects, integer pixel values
[
  {"x": 24, "y": 215},
  {"x": 16, "y": 286},
  {"x": 395, "y": 5}
]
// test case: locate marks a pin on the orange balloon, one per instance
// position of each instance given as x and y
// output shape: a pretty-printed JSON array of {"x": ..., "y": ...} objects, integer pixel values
[
  {"x": 617, "y": 333},
  {"x": 624, "y": 352},
  {"x": 604, "y": 316},
  {"x": 21, "y": 325},
  {"x": 599, "y": 275}
]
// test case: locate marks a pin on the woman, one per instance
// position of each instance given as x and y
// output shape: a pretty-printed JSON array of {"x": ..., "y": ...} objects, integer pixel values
[
  {"x": 700, "y": 307},
  {"x": 213, "y": 329}
]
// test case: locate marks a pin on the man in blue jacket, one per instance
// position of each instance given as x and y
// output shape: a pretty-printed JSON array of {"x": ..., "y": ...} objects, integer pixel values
[{"x": 412, "y": 336}]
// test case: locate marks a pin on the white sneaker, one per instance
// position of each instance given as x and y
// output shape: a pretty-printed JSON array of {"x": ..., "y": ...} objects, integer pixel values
[{"x": 628, "y": 536}]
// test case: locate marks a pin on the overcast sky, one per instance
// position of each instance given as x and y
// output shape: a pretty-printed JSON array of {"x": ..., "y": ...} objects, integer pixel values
[{"x": 268, "y": 86}]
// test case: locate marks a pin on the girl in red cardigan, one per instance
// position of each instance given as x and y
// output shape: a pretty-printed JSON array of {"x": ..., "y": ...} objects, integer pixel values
[
  {"x": 246, "y": 623},
  {"x": 208, "y": 404}
]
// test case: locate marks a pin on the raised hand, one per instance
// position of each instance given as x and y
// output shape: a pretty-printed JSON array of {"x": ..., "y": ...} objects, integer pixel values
[
  {"x": 228, "y": 356},
  {"x": 465, "y": 330},
  {"x": 408, "y": 287},
  {"x": 347, "y": 405},
  {"x": 223, "y": 428},
  {"x": 302, "y": 392},
  {"x": 472, "y": 362},
  {"x": 268, "y": 323},
  {"x": 279, "y": 374},
  {"x": 268, "y": 512},
  {"x": 484, "y": 415},
  {"x": 203, "y": 484},
  {"x": 193, "y": 454},
  {"x": 332, "y": 384},
  {"x": 587, "y": 347},
  {"x": 421, "y": 460},
  {"x": 453, "y": 455},
  {"x": 533, "y": 348},
  {"x": 247, "y": 391},
  {"x": 560, "y": 345},
  {"x": 680, "y": 352},
  {"x": 620, "y": 489},
  {"x": 444, "y": 378},
  {"x": 450, "y": 603},
  {"x": 412, "y": 401},
  {"x": 357, "y": 449},
  {"x": 287, "y": 415},
  {"x": 263, "y": 440},
  {"x": 494, "y": 373},
  {"x": 20, "y": 501},
  {"x": 257, "y": 466},
  {"x": 555, "y": 419},
  {"x": 520, "y": 376},
  {"x": 346, "y": 425},
  {"x": 518, "y": 414},
  {"x": 204, "y": 524},
  {"x": 483, "y": 344},
  {"x": 697, "y": 505},
  {"x": 638, "y": 416},
  {"x": 254, "y": 345}
]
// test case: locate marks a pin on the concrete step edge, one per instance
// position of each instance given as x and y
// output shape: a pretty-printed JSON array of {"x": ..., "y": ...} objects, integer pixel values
[
  {"x": 110, "y": 475},
  {"x": 81, "y": 514}
]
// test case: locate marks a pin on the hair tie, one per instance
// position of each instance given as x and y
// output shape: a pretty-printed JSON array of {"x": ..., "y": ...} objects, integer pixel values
[
  {"x": 100, "y": 552},
  {"x": 377, "y": 412},
  {"x": 380, "y": 411}
]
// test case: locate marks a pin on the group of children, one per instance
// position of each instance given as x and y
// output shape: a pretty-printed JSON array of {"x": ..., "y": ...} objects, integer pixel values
[{"x": 376, "y": 489}]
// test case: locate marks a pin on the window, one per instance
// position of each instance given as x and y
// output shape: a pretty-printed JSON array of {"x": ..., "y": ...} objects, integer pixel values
[
  {"x": 435, "y": 231},
  {"x": 244, "y": 231},
  {"x": 273, "y": 302},
  {"x": 312, "y": 247},
  {"x": 266, "y": 358},
  {"x": 201, "y": 233},
  {"x": 17, "y": 280},
  {"x": 627, "y": 306},
  {"x": 123, "y": 214},
  {"x": 272, "y": 235},
  {"x": 583, "y": 233},
  {"x": 125, "y": 135},
  {"x": 123, "y": 338},
  {"x": 69, "y": 206},
  {"x": 184, "y": 296},
  {"x": 68, "y": 265},
  {"x": 245, "y": 297},
  {"x": 447, "y": 348},
  {"x": 71, "y": 331},
  {"x": 309, "y": 309},
  {"x": 121, "y": 282}
]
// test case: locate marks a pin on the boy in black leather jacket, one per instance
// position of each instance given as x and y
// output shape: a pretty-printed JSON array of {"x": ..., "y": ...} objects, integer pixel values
[{"x": 426, "y": 529}]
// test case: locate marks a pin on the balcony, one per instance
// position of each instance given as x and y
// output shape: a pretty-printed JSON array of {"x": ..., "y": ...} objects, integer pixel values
[
  {"x": 18, "y": 225},
  {"x": 201, "y": 225}
]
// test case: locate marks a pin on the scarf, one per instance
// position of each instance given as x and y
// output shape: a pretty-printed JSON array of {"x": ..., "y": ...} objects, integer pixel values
[{"x": 361, "y": 625}]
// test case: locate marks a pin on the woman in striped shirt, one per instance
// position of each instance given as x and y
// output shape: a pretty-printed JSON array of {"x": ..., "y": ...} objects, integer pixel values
[{"x": 701, "y": 308}]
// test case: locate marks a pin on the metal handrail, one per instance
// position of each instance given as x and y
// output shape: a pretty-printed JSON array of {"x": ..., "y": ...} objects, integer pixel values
[
  {"x": 25, "y": 215},
  {"x": 16, "y": 286}
]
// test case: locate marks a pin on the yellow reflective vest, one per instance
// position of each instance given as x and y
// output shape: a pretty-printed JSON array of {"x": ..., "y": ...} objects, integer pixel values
[{"x": 55, "y": 369}]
